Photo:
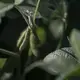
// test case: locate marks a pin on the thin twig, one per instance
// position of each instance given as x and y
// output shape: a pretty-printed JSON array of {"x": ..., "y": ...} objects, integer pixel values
[
  {"x": 36, "y": 9},
  {"x": 9, "y": 53}
]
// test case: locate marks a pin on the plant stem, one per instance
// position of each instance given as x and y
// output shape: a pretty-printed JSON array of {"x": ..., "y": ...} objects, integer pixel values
[{"x": 36, "y": 9}]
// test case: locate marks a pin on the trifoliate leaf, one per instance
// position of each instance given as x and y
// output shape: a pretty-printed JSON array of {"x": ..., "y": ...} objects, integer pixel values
[
  {"x": 0, "y": 20},
  {"x": 31, "y": 2},
  {"x": 75, "y": 42},
  {"x": 73, "y": 73}
]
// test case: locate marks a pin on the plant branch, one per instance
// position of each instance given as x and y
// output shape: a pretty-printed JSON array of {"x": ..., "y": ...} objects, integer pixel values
[{"x": 36, "y": 9}]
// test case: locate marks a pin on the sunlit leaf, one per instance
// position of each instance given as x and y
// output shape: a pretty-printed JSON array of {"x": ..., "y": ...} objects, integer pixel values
[
  {"x": 31, "y": 2},
  {"x": 75, "y": 72},
  {"x": 75, "y": 42},
  {"x": 6, "y": 76},
  {"x": 2, "y": 62}
]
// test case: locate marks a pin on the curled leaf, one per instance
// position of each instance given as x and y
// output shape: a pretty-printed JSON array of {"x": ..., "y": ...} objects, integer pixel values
[{"x": 5, "y": 7}]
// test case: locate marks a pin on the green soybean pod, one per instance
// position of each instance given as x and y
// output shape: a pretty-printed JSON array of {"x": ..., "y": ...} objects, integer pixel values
[{"x": 23, "y": 39}]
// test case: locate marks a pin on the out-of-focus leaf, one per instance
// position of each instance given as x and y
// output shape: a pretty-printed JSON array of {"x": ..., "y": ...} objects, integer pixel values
[
  {"x": 5, "y": 7},
  {"x": 75, "y": 42},
  {"x": 6, "y": 76},
  {"x": 18, "y": 2},
  {"x": 30, "y": 52},
  {"x": 75, "y": 72},
  {"x": 53, "y": 9},
  {"x": 56, "y": 27},
  {"x": 2, "y": 62},
  {"x": 7, "y": 1}
]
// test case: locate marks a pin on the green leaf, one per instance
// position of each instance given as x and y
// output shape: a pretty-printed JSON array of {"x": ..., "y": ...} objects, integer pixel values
[
  {"x": 56, "y": 27},
  {"x": 2, "y": 62},
  {"x": 75, "y": 42},
  {"x": 5, "y": 7},
  {"x": 59, "y": 61}
]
